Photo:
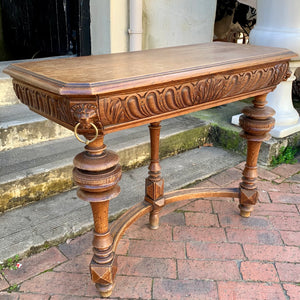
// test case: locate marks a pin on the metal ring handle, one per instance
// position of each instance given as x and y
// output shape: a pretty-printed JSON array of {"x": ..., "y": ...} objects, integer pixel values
[{"x": 87, "y": 141}]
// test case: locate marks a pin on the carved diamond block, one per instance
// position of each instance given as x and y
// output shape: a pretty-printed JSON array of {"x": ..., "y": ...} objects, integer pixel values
[
  {"x": 248, "y": 196},
  {"x": 154, "y": 190},
  {"x": 103, "y": 274}
]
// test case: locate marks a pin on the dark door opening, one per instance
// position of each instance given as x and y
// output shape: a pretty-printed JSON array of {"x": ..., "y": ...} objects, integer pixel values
[{"x": 35, "y": 28}]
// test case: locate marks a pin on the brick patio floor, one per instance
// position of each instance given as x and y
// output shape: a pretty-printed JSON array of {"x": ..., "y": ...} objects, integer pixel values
[{"x": 202, "y": 250}]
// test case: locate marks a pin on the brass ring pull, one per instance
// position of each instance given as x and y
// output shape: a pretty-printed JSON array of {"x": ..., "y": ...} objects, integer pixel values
[{"x": 87, "y": 141}]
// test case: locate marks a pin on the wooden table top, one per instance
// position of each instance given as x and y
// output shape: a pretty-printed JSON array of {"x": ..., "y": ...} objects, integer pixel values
[
  {"x": 124, "y": 90},
  {"x": 91, "y": 75}
]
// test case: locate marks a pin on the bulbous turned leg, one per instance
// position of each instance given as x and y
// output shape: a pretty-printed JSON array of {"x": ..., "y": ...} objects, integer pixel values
[
  {"x": 154, "y": 186},
  {"x": 256, "y": 122},
  {"x": 97, "y": 172}
]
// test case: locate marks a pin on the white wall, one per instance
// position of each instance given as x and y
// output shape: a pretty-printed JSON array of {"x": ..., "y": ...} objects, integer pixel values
[
  {"x": 177, "y": 22},
  {"x": 165, "y": 23},
  {"x": 109, "y": 26},
  {"x": 100, "y": 26},
  {"x": 119, "y": 25}
]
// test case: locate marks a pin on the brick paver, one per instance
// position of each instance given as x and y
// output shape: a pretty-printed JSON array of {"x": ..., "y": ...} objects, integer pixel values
[
  {"x": 250, "y": 291},
  {"x": 286, "y": 170},
  {"x": 33, "y": 297},
  {"x": 285, "y": 222},
  {"x": 291, "y": 238},
  {"x": 188, "y": 233},
  {"x": 202, "y": 220},
  {"x": 158, "y": 249},
  {"x": 272, "y": 253},
  {"x": 257, "y": 271},
  {"x": 225, "y": 178},
  {"x": 203, "y": 206},
  {"x": 184, "y": 289},
  {"x": 289, "y": 272},
  {"x": 213, "y": 270},
  {"x": 3, "y": 283},
  {"x": 147, "y": 266},
  {"x": 293, "y": 291},
  {"x": 35, "y": 264},
  {"x": 250, "y": 236},
  {"x": 281, "y": 197},
  {"x": 203, "y": 250},
  {"x": 214, "y": 251}
]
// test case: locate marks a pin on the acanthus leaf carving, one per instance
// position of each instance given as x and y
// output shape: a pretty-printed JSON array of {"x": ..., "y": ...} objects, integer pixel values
[
  {"x": 119, "y": 109},
  {"x": 56, "y": 107}
]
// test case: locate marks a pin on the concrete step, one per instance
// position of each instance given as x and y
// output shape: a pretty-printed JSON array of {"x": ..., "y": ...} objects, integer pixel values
[
  {"x": 226, "y": 135},
  {"x": 38, "y": 171},
  {"x": 7, "y": 94},
  {"x": 21, "y": 127},
  {"x": 53, "y": 220}
]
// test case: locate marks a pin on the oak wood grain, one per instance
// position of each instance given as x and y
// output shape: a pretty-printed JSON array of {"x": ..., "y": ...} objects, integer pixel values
[{"x": 92, "y": 75}]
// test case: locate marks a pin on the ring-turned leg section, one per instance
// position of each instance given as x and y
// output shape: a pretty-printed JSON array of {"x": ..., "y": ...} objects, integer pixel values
[
  {"x": 97, "y": 172},
  {"x": 256, "y": 122},
  {"x": 154, "y": 186}
]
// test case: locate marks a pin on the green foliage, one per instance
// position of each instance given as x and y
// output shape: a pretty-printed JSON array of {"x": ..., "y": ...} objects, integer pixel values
[
  {"x": 286, "y": 155},
  {"x": 13, "y": 288},
  {"x": 10, "y": 264}
]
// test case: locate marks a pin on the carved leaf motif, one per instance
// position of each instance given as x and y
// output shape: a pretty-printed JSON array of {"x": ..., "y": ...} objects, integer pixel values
[
  {"x": 146, "y": 103},
  {"x": 170, "y": 95},
  {"x": 132, "y": 107},
  {"x": 159, "y": 101},
  {"x": 63, "y": 111},
  {"x": 230, "y": 85},
  {"x": 217, "y": 88},
  {"x": 152, "y": 103},
  {"x": 186, "y": 96},
  {"x": 118, "y": 112},
  {"x": 48, "y": 104}
]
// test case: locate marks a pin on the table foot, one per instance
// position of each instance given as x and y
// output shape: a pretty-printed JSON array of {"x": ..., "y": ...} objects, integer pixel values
[
  {"x": 104, "y": 275},
  {"x": 245, "y": 210},
  {"x": 105, "y": 290},
  {"x": 154, "y": 220}
]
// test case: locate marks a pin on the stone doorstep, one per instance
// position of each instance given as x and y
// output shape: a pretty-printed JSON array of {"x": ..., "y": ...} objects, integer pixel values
[
  {"x": 7, "y": 94},
  {"x": 38, "y": 171},
  {"x": 53, "y": 220},
  {"x": 226, "y": 135},
  {"x": 20, "y": 127}
]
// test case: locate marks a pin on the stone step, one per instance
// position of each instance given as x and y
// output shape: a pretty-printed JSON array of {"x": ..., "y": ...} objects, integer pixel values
[
  {"x": 7, "y": 94},
  {"x": 53, "y": 220},
  {"x": 37, "y": 171},
  {"x": 21, "y": 127},
  {"x": 226, "y": 135}
]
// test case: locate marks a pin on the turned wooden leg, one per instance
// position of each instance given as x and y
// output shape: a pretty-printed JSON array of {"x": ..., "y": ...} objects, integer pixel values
[
  {"x": 256, "y": 122},
  {"x": 97, "y": 172},
  {"x": 154, "y": 186}
]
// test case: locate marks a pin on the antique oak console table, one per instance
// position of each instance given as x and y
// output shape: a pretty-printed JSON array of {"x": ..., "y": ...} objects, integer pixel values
[{"x": 97, "y": 95}]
